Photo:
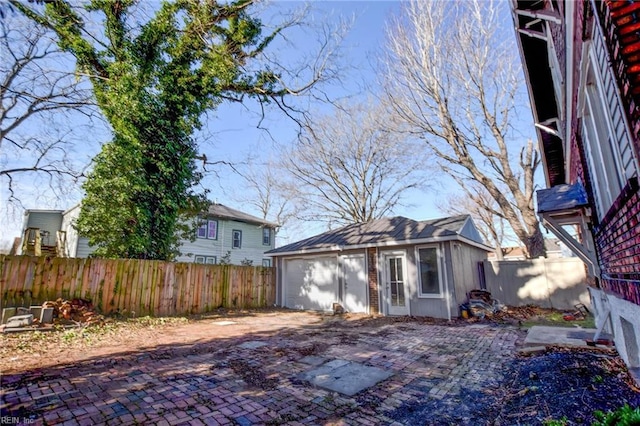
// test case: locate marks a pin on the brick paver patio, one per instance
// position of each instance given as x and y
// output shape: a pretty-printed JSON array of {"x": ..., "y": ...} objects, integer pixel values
[{"x": 441, "y": 375}]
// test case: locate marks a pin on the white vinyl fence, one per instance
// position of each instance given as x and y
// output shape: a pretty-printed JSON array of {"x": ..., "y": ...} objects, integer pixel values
[{"x": 549, "y": 283}]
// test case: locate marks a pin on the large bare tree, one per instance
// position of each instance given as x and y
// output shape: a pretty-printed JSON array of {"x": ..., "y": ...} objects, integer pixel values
[
  {"x": 37, "y": 94},
  {"x": 476, "y": 201},
  {"x": 453, "y": 78},
  {"x": 268, "y": 191},
  {"x": 348, "y": 167}
]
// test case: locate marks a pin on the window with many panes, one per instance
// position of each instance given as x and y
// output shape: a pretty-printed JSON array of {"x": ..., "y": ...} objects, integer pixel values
[
  {"x": 266, "y": 236},
  {"x": 236, "y": 239},
  {"x": 429, "y": 270},
  {"x": 208, "y": 229}
]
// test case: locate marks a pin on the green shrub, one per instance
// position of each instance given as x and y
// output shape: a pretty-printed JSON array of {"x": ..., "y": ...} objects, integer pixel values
[{"x": 623, "y": 416}]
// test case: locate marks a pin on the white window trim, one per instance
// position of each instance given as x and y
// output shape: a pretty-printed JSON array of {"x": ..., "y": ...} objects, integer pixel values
[
  {"x": 440, "y": 294},
  {"x": 205, "y": 259},
  {"x": 613, "y": 176},
  {"x": 263, "y": 235},
  {"x": 206, "y": 224},
  {"x": 382, "y": 257},
  {"x": 233, "y": 246}
]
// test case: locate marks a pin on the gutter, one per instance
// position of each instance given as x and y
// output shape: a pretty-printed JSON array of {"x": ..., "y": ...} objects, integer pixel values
[{"x": 396, "y": 243}]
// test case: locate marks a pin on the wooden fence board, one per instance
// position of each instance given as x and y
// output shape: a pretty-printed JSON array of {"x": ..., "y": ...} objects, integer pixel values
[{"x": 141, "y": 286}]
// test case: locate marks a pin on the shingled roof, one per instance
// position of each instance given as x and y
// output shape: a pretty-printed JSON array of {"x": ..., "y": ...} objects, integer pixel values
[
  {"x": 224, "y": 212},
  {"x": 386, "y": 231}
]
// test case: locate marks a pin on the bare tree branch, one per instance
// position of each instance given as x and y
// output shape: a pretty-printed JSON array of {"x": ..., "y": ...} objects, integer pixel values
[
  {"x": 450, "y": 79},
  {"x": 349, "y": 167},
  {"x": 36, "y": 94}
]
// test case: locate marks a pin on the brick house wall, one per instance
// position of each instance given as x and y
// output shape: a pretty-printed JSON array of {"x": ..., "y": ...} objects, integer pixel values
[
  {"x": 617, "y": 235},
  {"x": 372, "y": 275},
  {"x": 618, "y": 243}
]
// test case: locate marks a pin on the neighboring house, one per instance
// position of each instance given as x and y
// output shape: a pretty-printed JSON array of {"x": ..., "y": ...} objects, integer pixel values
[
  {"x": 223, "y": 230},
  {"x": 553, "y": 247},
  {"x": 41, "y": 233},
  {"x": 582, "y": 63},
  {"x": 390, "y": 266}
]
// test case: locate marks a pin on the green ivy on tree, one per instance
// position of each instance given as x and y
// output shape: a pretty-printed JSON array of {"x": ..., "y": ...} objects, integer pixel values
[{"x": 153, "y": 82}]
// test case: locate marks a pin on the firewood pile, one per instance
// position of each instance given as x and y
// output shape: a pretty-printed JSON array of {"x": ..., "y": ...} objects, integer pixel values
[{"x": 75, "y": 310}]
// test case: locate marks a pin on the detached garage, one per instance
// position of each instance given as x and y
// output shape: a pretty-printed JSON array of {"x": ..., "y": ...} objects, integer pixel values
[{"x": 390, "y": 266}]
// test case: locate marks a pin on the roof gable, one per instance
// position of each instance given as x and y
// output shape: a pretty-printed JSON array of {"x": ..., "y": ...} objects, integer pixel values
[
  {"x": 223, "y": 212},
  {"x": 383, "y": 231}
]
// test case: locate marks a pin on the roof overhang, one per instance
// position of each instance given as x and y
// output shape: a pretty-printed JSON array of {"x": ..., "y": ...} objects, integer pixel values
[
  {"x": 564, "y": 205},
  {"x": 382, "y": 244},
  {"x": 530, "y": 18}
]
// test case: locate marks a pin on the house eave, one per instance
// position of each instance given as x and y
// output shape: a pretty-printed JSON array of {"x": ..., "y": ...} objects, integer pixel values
[
  {"x": 541, "y": 92},
  {"x": 382, "y": 244}
]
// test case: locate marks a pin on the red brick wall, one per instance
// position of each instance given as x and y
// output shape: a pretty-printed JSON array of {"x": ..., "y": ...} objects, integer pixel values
[
  {"x": 618, "y": 245},
  {"x": 372, "y": 266}
]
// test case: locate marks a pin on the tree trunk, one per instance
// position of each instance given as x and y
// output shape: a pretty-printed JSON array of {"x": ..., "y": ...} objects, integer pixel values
[{"x": 535, "y": 244}]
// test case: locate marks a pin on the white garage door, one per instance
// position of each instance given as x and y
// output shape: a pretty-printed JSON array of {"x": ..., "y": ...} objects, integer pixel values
[{"x": 311, "y": 283}]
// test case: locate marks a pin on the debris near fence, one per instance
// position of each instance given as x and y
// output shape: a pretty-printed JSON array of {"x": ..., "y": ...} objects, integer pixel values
[
  {"x": 79, "y": 311},
  {"x": 521, "y": 313},
  {"x": 480, "y": 304}
]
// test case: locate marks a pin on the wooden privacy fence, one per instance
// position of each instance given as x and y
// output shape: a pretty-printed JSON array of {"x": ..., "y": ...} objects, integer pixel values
[{"x": 140, "y": 287}]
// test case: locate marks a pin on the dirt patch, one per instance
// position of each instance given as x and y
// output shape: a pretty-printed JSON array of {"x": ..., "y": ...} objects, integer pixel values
[
  {"x": 30, "y": 350},
  {"x": 253, "y": 375}
]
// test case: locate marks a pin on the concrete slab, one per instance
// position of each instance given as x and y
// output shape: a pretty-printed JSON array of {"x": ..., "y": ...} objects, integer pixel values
[
  {"x": 19, "y": 321},
  {"x": 345, "y": 377},
  {"x": 313, "y": 360},
  {"x": 564, "y": 336},
  {"x": 223, "y": 323},
  {"x": 254, "y": 344}
]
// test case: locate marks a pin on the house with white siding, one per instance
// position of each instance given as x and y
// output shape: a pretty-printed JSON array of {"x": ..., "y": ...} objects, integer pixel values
[
  {"x": 223, "y": 235},
  {"x": 229, "y": 234}
]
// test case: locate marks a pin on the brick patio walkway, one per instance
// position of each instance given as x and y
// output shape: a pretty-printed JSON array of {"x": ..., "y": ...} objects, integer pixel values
[{"x": 442, "y": 375}]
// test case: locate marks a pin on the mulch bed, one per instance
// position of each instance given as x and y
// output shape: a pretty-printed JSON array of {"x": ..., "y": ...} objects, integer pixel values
[{"x": 566, "y": 383}]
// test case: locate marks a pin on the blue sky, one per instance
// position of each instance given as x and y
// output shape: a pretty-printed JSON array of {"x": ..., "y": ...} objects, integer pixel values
[{"x": 231, "y": 132}]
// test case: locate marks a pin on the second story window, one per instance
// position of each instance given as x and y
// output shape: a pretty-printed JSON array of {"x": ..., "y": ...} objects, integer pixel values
[
  {"x": 266, "y": 236},
  {"x": 208, "y": 229},
  {"x": 237, "y": 239}
]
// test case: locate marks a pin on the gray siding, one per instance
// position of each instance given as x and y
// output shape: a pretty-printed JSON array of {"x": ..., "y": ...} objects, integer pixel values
[
  {"x": 464, "y": 268},
  {"x": 77, "y": 246},
  {"x": 427, "y": 307},
  {"x": 470, "y": 231},
  {"x": 50, "y": 222},
  {"x": 251, "y": 248},
  {"x": 83, "y": 249}
]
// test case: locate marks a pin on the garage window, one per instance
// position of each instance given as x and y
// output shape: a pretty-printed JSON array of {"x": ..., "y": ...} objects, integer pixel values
[{"x": 429, "y": 270}]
